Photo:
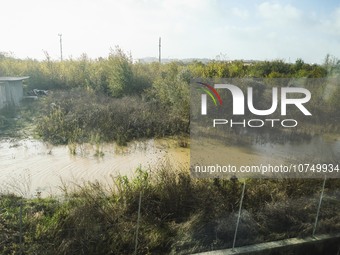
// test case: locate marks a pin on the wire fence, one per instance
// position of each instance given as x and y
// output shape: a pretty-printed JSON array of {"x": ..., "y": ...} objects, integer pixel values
[{"x": 22, "y": 210}]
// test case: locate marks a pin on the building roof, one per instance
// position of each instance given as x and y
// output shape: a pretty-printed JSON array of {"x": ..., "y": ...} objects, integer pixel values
[{"x": 13, "y": 78}]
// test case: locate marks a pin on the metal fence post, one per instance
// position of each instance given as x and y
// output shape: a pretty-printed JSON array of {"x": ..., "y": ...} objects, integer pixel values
[
  {"x": 319, "y": 206},
  {"x": 239, "y": 215}
]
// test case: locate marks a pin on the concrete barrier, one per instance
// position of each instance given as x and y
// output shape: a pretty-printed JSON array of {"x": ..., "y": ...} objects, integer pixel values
[{"x": 292, "y": 243}]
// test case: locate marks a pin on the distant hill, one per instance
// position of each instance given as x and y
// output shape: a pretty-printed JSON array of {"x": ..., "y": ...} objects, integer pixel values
[
  {"x": 168, "y": 60},
  {"x": 188, "y": 60}
]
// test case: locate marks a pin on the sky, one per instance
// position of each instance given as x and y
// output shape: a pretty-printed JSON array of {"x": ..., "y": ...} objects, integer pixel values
[{"x": 214, "y": 29}]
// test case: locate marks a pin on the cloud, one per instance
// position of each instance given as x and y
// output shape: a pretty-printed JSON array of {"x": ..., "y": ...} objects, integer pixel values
[
  {"x": 276, "y": 13},
  {"x": 283, "y": 31},
  {"x": 189, "y": 28},
  {"x": 337, "y": 20},
  {"x": 333, "y": 23},
  {"x": 240, "y": 13}
]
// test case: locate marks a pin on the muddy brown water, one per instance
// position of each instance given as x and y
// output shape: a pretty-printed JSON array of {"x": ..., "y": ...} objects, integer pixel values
[
  {"x": 30, "y": 166},
  {"x": 316, "y": 151}
]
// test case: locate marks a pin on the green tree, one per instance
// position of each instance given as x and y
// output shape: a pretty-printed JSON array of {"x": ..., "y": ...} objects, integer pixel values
[{"x": 119, "y": 73}]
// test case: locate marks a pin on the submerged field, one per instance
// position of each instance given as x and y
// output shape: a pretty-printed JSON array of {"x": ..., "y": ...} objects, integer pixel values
[{"x": 30, "y": 166}]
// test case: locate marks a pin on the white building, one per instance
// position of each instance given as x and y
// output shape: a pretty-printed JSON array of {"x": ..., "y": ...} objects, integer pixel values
[{"x": 11, "y": 90}]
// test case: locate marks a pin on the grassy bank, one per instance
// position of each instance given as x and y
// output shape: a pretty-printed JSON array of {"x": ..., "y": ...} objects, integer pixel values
[{"x": 179, "y": 215}]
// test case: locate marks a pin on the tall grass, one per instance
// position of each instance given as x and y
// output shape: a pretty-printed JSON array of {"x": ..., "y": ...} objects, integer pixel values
[{"x": 179, "y": 214}]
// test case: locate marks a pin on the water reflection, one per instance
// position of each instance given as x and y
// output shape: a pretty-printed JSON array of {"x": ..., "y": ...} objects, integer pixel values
[
  {"x": 255, "y": 149},
  {"x": 46, "y": 166},
  {"x": 317, "y": 148}
]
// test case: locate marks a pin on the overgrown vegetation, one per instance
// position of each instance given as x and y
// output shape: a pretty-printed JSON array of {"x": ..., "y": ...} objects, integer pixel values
[
  {"x": 179, "y": 215},
  {"x": 18, "y": 121},
  {"x": 77, "y": 117},
  {"x": 123, "y": 100}
]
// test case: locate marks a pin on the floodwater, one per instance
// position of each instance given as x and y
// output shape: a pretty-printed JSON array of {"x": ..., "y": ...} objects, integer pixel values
[
  {"x": 316, "y": 151},
  {"x": 320, "y": 148},
  {"x": 30, "y": 166}
]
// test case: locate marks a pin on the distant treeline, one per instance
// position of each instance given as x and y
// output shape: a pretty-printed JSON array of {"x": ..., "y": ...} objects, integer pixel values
[
  {"x": 158, "y": 94},
  {"x": 117, "y": 75}
]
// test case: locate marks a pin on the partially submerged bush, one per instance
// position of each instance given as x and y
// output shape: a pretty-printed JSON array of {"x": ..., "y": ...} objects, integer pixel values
[{"x": 77, "y": 117}]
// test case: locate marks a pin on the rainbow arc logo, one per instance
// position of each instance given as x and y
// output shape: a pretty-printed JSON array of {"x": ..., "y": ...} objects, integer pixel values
[
  {"x": 208, "y": 89},
  {"x": 211, "y": 91}
]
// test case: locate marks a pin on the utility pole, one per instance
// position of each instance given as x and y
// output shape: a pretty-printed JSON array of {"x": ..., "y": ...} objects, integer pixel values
[
  {"x": 61, "y": 46},
  {"x": 159, "y": 50}
]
